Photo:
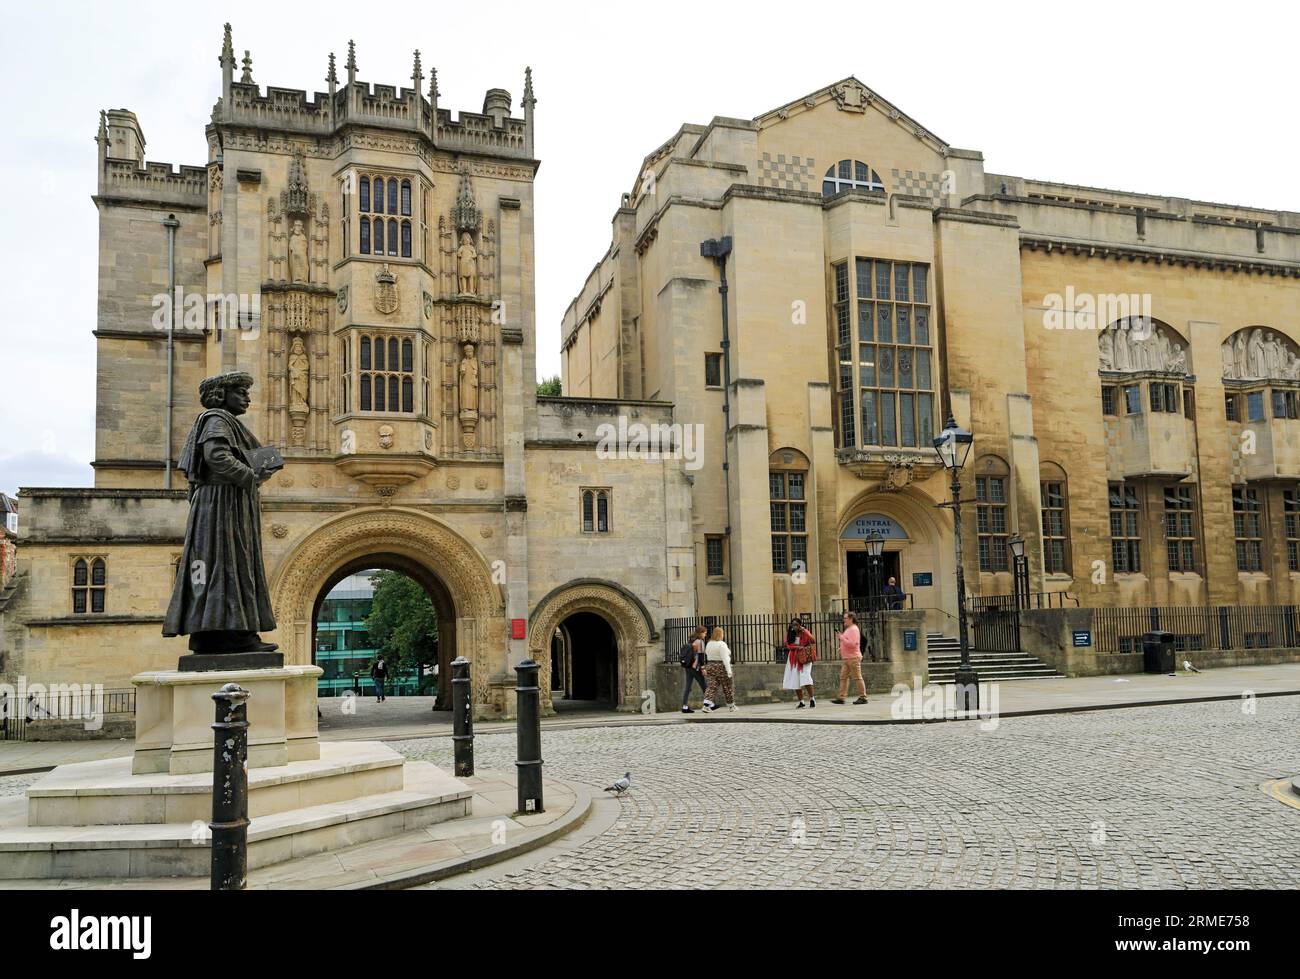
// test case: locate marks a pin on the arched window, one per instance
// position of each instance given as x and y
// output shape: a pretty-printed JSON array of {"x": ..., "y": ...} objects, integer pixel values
[
  {"x": 365, "y": 236},
  {"x": 365, "y": 195},
  {"x": 849, "y": 174},
  {"x": 392, "y": 196},
  {"x": 595, "y": 510},
  {"x": 1055, "y": 502},
  {"x": 89, "y": 583},
  {"x": 992, "y": 490},
  {"x": 392, "y": 236},
  {"x": 408, "y": 356},
  {"x": 379, "y": 236},
  {"x": 406, "y": 239},
  {"x": 406, "y": 198},
  {"x": 379, "y": 195},
  {"x": 788, "y": 503}
]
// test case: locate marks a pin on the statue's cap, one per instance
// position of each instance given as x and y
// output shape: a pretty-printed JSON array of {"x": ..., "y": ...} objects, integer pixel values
[{"x": 213, "y": 388}]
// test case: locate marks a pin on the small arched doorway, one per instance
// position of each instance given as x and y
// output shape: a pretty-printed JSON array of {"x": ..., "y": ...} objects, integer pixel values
[
  {"x": 589, "y": 663},
  {"x": 599, "y": 634}
]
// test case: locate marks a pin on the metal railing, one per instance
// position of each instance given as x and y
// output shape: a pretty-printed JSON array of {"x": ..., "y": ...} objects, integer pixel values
[
  {"x": 1210, "y": 627},
  {"x": 755, "y": 638},
  {"x": 873, "y": 604},
  {"x": 57, "y": 703}
]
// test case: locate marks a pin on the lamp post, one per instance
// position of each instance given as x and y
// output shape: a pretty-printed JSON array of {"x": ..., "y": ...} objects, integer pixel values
[
  {"x": 875, "y": 586},
  {"x": 953, "y": 446},
  {"x": 1020, "y": 565},
  {"x": 875, "y": 592}
]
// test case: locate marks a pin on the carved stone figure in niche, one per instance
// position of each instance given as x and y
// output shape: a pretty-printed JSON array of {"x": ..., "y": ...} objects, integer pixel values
[
  {"x": 299, "y": 272},
  {"x": 467, "y": 265},
  {"x": 469, "y": 379},
  {"x": 299, "y": 378},
  {"x": 347, "y": 442},
  {"x": 1256, "y": 361},
  {"x": 1140, "y": 345},
  {"x": 1259, "y": 354},
  {"x": 385, "y": 436}
]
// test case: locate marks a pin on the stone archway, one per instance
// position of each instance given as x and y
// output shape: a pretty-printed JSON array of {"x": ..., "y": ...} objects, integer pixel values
[
  {"x": 928, "y": 546},
  {"x": 415, "y": 543},
  {"x": 626, "y": 615}
]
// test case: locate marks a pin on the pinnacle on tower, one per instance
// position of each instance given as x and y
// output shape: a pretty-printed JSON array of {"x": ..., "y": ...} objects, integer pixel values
[
  {"x": 529, "y": 100},
  {"x": 227, "y": 57},
  {"x": 247, "y": 78},
  {"x": 331, "y": 77},
  {"x": 352, "y": 62},
  {"x": 417, "y": 76}
]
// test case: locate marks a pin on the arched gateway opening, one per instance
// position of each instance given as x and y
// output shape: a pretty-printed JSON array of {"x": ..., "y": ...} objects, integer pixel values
[
  {"x": 438, "y": 595},
  {"x": 598, "y": 634},
  {"x": 456, "y": 577}
]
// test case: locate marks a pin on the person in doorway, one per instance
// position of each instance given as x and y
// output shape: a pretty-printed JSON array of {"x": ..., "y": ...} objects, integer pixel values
[
  {"x": 801, "y": 653},
  {"x": 851, "y": 660},
  {"x": 692, "y": 660},
  {"x": 894, "y": 596},
  {"x": 379, "y": 674},
  {"x": 717, "y": 668}
]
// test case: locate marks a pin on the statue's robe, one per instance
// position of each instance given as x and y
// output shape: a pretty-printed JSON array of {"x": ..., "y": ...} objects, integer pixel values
[{"x": 221, "y": 581}]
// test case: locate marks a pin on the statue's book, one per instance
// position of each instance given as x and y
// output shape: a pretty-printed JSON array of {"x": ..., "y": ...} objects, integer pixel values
[{"x": 267, "y": 459}]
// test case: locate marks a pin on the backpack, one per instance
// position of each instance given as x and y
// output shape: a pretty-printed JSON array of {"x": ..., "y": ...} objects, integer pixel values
[{"x": 687, "y": 654}]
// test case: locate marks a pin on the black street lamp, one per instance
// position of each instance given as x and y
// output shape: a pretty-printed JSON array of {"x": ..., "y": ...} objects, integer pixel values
[
  {"x": 875, "y": 592},
  {"x": 953, "y": 446},
  {"x": 1020, "y": 565},
  {"x": 875, "y": 584}
]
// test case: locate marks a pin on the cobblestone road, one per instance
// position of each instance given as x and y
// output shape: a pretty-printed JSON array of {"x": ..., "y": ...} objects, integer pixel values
[{"x": 1163, "y": 797}]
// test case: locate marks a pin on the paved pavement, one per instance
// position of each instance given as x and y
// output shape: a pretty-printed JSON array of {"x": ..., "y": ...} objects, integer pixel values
[
  {"x": 1161, "y": 797},
  {"x": 409, "y": 717}
]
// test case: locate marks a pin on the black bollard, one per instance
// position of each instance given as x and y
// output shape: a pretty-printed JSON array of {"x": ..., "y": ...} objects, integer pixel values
[
  {"x": 462, "y": 718},
  {"x": 230, "y": 790},
  {"x": 529, "y": 737}
]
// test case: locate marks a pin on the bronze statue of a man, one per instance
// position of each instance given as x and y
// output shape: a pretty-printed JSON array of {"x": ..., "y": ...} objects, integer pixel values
[{"x": 220, "y": 598}]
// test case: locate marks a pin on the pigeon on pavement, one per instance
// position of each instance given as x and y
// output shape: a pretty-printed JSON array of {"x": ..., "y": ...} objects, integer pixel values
[
  {"x": 1187, "y": 665},
  {"x": 622, "y": 785}
]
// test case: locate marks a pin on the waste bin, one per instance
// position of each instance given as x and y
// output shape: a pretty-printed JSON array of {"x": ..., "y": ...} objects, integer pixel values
[{"x": 1158, "y": 652}]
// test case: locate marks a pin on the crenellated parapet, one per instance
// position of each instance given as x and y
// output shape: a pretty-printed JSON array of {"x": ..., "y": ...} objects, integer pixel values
[{"x": 354, "y": 103}]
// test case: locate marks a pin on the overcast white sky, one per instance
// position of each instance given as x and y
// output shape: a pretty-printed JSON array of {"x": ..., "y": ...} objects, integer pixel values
[{"x": 1181, "y": 99}]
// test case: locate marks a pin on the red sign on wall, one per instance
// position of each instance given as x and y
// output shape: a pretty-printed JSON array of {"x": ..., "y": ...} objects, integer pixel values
[{"x": 518, "y": 628}]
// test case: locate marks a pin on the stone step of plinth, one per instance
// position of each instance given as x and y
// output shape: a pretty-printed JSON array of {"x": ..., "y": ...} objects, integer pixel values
[{"x": 429, "y": 795}]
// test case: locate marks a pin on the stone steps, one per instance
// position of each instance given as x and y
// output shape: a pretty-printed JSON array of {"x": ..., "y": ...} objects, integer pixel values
[
  {"x": 945, "y": 658},
  {"x": 424, "y": 795}
]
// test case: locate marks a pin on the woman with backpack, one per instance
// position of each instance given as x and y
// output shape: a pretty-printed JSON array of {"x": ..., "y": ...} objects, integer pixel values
[
  {"x": 801, "y": 653},
  {"x": 692, "y": 660},
  {"x": 717, "y": 667}
]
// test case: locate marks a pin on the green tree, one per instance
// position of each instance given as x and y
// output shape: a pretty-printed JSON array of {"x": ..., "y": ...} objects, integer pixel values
[
  {"x": 549, "y": 388},
  {"x": 403, "y": 623}
]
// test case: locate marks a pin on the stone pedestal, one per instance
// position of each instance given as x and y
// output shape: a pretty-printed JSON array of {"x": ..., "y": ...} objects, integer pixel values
[{"x": 175, "y": 711}]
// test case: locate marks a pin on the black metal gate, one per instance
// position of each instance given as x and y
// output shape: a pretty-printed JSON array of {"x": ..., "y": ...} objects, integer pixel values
[{"x": 995, "y": 624}]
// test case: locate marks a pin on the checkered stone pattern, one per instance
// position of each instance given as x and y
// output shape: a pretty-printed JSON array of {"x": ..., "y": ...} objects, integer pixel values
[
  {"x": 1234, "y": 441},
  {"x": 918, "y": 183},
  {"x": 1134, "y": 798},
  {"x": 1110, "y": 430},
  {"x": 793, "y": 173}
]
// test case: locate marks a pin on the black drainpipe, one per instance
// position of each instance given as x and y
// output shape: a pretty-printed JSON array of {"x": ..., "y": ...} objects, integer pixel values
[{"x": 718, "y": 249}]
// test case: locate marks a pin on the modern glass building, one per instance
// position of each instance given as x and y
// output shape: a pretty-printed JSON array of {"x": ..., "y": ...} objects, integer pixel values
[{"x": 343, "y": 647}]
